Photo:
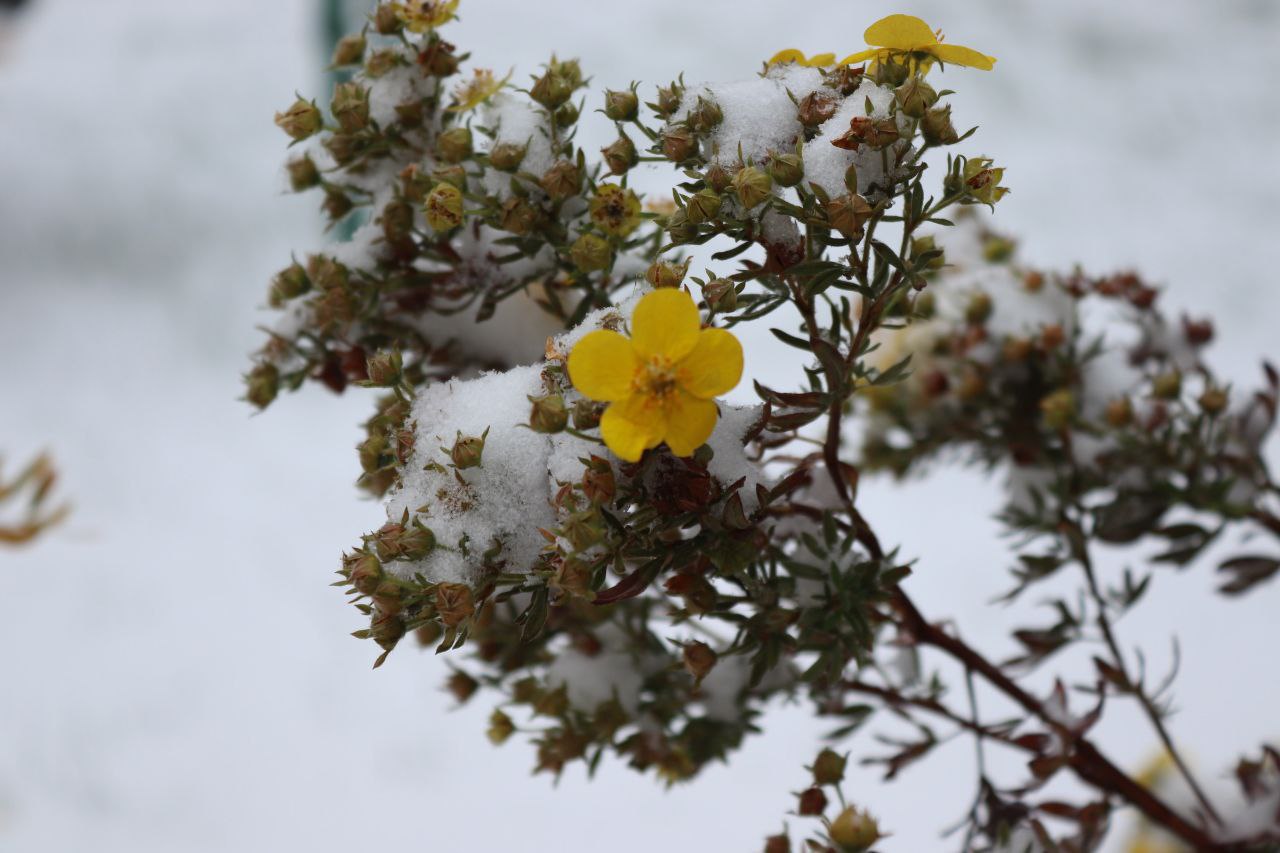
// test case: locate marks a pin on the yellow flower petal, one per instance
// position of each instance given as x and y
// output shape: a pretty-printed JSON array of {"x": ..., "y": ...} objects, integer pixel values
[
  {"x": 665, "y": 324},
  {"x": 714, "y": 367},
  {"x": 954, "y": 54},
  {"x": 822, "y": 60},
  {"x": 788, "y": 55},
  {"x": 602, "y": 366},
  {"x": 901, "y": 32},
  {"x": 690, "y": 422},
  {"x": 631, "y": 426},
  {"x": 862, "y": 56}
]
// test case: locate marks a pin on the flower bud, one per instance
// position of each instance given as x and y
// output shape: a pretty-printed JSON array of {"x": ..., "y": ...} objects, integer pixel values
[
  {"x": 380, "y": 62},
  {"x": 365, "y": 573},
  {"x": 891, "y": 70},
  {"x": 621, "y": 155},
  {"x": 937, "y": 128},
  {"x": 549, "y": 414},
  {"x": 301, "y": 120},
  {"x": 787, "y": 170},
  {"x": 566, "y": 115},
  {"x": 717, "y": 177},
  {"x": 501, "y": 727},
  {"x": 1167, "y": 386},
  {"x": 705, "y": 116},
  {"x": 813, "y": 802},
  {"x": 669, "y": 99},
  {"x": 848, "y": 213},
  {"x": 915, "y": 97},
  {"x": 303, "y": 174},
  {"x": 444, "y": 207},
  {"x": 678, "y": 144},
  {"x": 350, "y": 106},
  {"x": 874, "y": 133},
  {"x": 828, "y": 768},
  {"x": 598, "y": 482},
  {"x": 439, "y": 59},
  {"x": 506, "y": 156},
  {"x": 924, "y": 245},
  {"x": 386, "y": 630},
  {"x": 679, "y": 228},
  {"x": 468, "y": 450},
  {"x": 386, "y": 20},
  {"x": 584, "y": 529},
  {"x": 461, "y": 685},
  {"x": 411, "y": 113},
  {"x": 454, "y": 603},
  {"x": 384, "y": 368},
  {"x": 454, "y": 145},
  {"x": 590, "y": 253},
  {"x": 703, "y": 206},
  {"x": 343, "y": 147},
  {"x": 698, "y": 659},
  {"x": 720, "y": 294},
  {"x": 666, "y": 274},
  {"x": 777, "y": 844},
  {"x": 374, "y": 456},
  {"x": 752, "y": 185},
  {"x": 417, "y": 542},
  {"x": 621, "y": 106},
  {"x": 397, "y": 220},
  {"x": 337, "y": 203},
  {"x": 854, "y": 831},
  {"x": 586, "y": 414},
  {"x": 349, "y": 50},
  {"x": 615, "y": 210},
  {"x": 262, "y": 384},
  {"x": 983, "y": 181},
  {"x": 562, "y": 180},
  {"x": 517, "y": 217},
  {"x": 1119, "y": 412},
  {"x": 1058, "y": 409},
  {"x": 290, "y": 283},
  {"x": 551, "y": 90},
  {"x": 815, "y": 108},
  {"x": 453, "y": 174},
  {"x": 979, "y": 308}
]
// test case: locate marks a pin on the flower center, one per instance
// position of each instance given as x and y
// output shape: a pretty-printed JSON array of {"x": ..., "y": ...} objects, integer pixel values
[{"x": 656, "y": 379}]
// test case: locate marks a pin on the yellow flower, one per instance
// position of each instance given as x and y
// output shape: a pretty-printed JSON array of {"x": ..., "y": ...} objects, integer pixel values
[
  {"x": 908, "y": 34},
  {"x": 418, "y": 16},
  {"x": 477, "y": 90},
  {"x": 615, "y": 210},
  {"x": 661, "y": 382},
  {"x": 822, "y": 60}
]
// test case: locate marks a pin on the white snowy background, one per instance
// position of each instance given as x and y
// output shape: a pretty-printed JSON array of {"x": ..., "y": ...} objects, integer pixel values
[{"x": 175, "y": 672}]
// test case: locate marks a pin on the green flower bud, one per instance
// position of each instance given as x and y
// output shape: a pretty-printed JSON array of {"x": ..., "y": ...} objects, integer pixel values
[
  {"x": 848, "y": 213},
  {"x": 891, "y": 71},
  {"x": 350, "y": 106},
  {"x": 752, "y": 185},
  {"x": 551, "y": 90},
  {"x": 365, "y": 573},
  {"x": 337, "y": 203},
  {"x": 262, "y": 385},
  {"x": 923, "y": 245},
  {"x": 787, "y": 170},
  {"x": 303, "y": 174},
  {"x": 380, "y": 62},
  {"x": 417, "y": 542},
  {"x": 501, "y": 728},
  {"x": 562, "y": 180},
  {"x": 718, "y": 178},
  {"x": 397, "y": 220},
  {"x": 301, "y": 120},
  {"x": 720, "y": 294},
  {"x": 454, "y": 174},
  {"x": 621, "y": 155},
  {"x": 828, "y": 768},
  {"x": 590, "y": 253},
  {"x": 506, "y": 156},
  {"x": 517, "y": 217},
  {"x": 979, "y": 309},
  {"x": 386, "y": 21},
  {"x": 411, "y": 113},
  {"x": 705, "y": 116},
  {"x": 468, "y": 450},
  {"x": 1214, "y": 401},
  {"x": 666, "y": 274},
  {"x": 349, "y": 50},
  {"x": 854, "y": 831},
  {"x": 461, "y": 685},
  {"x": 549, "y": 414},
  {"x": 454, "y": 145},
  {"x": 678, "y": 144},
  {"x": 915, "y": 97},
  {"x": 374, "y": 456},
  {"x": 679, "y": 228},
  {"x": 566, "y": 115},
  {"x": 621, "y": 106},
  {"x": 1058, "y": 409},
  {"x": 586, "y": 414},
  {"x": 290, "y": 283},
  {"x": 703, "y": 206},
  {"x": 384, "y": 368},
  {"x": 1167, "y": 386},
  {"x": 937, "y": 128},
  {"x": 669, "y": 99}
]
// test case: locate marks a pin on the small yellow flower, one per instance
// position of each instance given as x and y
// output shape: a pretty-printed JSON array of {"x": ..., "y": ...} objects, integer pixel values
[
  {"x": 661, "y": 382},
  {"x": 477, "y": 90},
  {"x": 897, "y": 34},
  {"x": 419, "y": 16},
  {"x": 822, "y": 60}
]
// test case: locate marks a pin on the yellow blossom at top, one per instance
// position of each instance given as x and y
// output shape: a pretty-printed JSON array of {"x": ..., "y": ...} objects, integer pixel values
[
  {"x": 480, "y": 88},
  {"x": 661, "y": 382},
  {"x": 897, "y": 34},
  {"x": 821, "y": 60},
  {"x": 419, "y": 16}
]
